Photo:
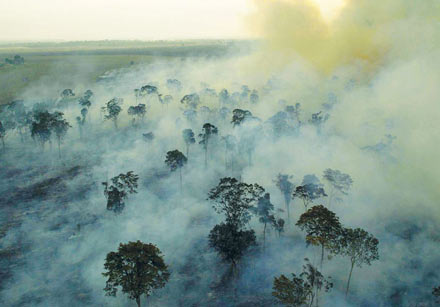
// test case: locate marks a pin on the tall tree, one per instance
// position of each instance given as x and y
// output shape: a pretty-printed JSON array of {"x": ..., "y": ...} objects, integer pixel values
[
  {"x": 137, "y": 112},
  {"x": 208, "y": 131},
  {"x": 309, "y": 190},
  {"x": 264, "y": 210},
  {"x": 112, "y": 110},
  {"x": 322, "y": 228},
  {"x": 60, "y": 127},
  {"x": 118, "y": 190},
  {"x": 137, "y": 268},
  {"x": 41, "y": 127},
  {"x": 360, "y": 246},
  {"x": 340, "y": 183},
  {"x": 234, "y": 199},
  {"x": 188, "y": 138},
  {"x": 286, "y": 187},
  {"x": 176, "y": 160}
]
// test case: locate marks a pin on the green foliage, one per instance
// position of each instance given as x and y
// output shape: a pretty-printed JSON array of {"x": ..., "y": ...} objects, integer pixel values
[
  {"x": 191, "y": 100},
  {"x": 234, "y": 199},
  {"x": 321, "y": 225},
  {"x": 308, "y": 193},
  {"x": 239, "y": 116},
  {"x": 112, "y": 109},
  {"x": 118, "y": 191},
  {"x": 175, "y": 160},
  {"x": 137, "y": 268},
  {"x": 231, "y": 242},
  {"x": 302, "y": 289}
]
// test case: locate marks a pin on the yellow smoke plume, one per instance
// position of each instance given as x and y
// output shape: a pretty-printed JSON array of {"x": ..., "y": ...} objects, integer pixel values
[{"x": 361, "y": 32}]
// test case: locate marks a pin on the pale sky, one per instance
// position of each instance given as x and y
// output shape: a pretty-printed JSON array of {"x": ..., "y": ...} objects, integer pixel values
[{"x": 122, "y": 19}]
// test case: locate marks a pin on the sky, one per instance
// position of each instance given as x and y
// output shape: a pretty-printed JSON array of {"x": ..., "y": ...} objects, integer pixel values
[
  {"x": 122, "y": 19},
  {"x": 41, "y": 20}
]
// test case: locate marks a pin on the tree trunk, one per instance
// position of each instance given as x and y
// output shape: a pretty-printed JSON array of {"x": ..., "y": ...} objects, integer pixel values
[
  {"x": 180, "y": 175},
  {"x": 288, "y": 210},
  {"x": 322, "y": 254},
  {"x": 138, "y": 301},
  {"x": 349, "y": 278},
  {"x": 264, "y": 236},
  {"x": 59, "y": 148}
]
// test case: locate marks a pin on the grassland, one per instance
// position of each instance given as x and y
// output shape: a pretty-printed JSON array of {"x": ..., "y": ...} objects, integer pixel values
[{"x": 49, "y": 60}]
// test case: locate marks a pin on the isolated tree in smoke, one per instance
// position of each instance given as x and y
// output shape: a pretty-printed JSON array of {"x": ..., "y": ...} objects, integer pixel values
[
  {"x": 176, "y": 160},
  {"x": 264, "y": 210},
  {"x": 41, "y": 127},
  {"x": 302, "y": 289},
  {"x": 208, "y": 131},
  {"x": 278, "y": 224},
  {"x": 188, "y": 138},
  {"x": 137, "y": 111},
  {"x": 286, "y": 187},
  {"x": 294, "y": 112},
  {"x": 322, "y": 228},
  {"x": 234, "y": 199},
  {"x": 239, "y": 116},
  {"x": 310, "y": 190},
  {"x": 137, "y": 268},
  {"x": 231, "y": 242},
  {"x": 118, "y": 191},
  {"x": 339, "y": 183},
  {"x": 112, "y": 110},
  {"x": 360, "y": 246},
  {"x": 191, "y": 101},
  {"x": 60, "y": 127}
]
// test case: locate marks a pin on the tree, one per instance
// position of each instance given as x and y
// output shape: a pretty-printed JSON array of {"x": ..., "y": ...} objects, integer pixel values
[
  {"x": 60, "y": 127},
  {"x": 264, "y": 210},
  {"x": 318, "y": 120},
  {"x": 239, "y": 116},
  {"x": 188, "y": 138},
  {"x": 113, "y": 108},
  {"x": 234, "y": 199},
  {"x": 41, "y": 127},
  {"x": 309, "y": 190},
  {"x": 294, "y": 112},
  {"x": 230, "y": 146},
  {"x": 360, "y": 246},
  {"x": 254, "y": 97},
  {"x": 191, "y": 100},
  {"x": 278, "y": 224},
  {"x": 176, "y": 160},
  {"x": 5, "y": 126},
  {"x": 339, "y": 183},
  {"x": 137, "y": 268},
  {"x": 223, "y": 96},
  {"x": 174, "y": 85},
  {"x": 300, "y": 290},
  {"x": 231, "y": 242},
  {"x": 81, "y": 120},
  {"x": 286, "y": 187},
  {"x": 118, "y": 191},
  {"x": 322, "y": 228},
  {"x": 2, "y": 134},
  {"x": 137, "y": 111},
  {"x": 208, "y": 131},
  {"x": 67, "y": 93}
]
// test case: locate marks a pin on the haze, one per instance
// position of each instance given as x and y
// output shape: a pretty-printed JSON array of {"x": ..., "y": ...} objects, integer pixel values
[{"x": 122, "y": 19}]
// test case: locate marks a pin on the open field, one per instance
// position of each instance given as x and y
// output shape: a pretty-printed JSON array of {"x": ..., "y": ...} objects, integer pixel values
[{"x": 89, "y": 60}]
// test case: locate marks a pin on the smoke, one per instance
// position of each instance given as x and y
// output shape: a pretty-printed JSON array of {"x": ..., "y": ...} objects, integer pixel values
[
  {"x": 366, "y": 34},
  {"x": 373, "y": 69}
]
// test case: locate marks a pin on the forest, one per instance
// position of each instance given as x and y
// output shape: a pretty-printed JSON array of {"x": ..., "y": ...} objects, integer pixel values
[{"x": 298, "y": 169}]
